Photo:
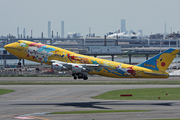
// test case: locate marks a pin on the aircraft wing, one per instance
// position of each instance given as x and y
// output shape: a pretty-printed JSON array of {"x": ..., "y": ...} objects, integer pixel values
[{"x": 58, "y": 65}]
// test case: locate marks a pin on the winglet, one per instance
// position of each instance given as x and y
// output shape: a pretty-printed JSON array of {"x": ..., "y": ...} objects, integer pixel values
[{"x": 161, "y": 61}]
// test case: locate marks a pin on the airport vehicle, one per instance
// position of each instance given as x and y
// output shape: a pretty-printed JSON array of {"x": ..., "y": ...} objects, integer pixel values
[{"x": 82, "y": 65}]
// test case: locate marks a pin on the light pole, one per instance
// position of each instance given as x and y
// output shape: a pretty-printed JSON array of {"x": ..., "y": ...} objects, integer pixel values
[
  {"x": 160, "y": 45},
  {"x": 170, "y": 64}
]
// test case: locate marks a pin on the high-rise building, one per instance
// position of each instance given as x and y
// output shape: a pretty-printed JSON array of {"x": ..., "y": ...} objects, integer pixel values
[
  {"x": 24, "y": 33},
  {"x": 123, "y": 25},
  {"x": 140, "y": 33},
  {"x": 31, "y": 34},
  {"x": 62, "y": 29},
  {"x": 164, "y": 30},
  {"x": 18, "y": 32},
  {"x": 49, "y": 29}
]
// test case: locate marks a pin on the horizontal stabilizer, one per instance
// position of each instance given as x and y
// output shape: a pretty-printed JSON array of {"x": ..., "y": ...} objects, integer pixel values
[{"x": 157, "y": 74}]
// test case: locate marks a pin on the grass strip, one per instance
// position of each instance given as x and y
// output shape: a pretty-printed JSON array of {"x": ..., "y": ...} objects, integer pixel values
[
  {"x": 98, "y": 111},
  {"x": 82, "y": 82},
  {"x": 142, "y": 94},
  {"x": 5, "y": 91}
]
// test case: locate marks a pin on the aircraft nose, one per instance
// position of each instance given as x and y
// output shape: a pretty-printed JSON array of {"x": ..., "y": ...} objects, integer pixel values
[{"x": 8, "y": 46}]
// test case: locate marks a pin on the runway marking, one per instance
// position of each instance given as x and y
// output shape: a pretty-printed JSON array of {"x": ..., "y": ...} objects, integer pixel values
[
  {"x": 24, "y": 118},
  {"x": 27, "y": 116},
  {"x": 34, "y": 117},
  {"x": 31, "y": 117}
]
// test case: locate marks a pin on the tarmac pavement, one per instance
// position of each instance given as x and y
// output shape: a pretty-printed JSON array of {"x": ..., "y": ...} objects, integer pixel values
[{"x": 33, "y": 101}]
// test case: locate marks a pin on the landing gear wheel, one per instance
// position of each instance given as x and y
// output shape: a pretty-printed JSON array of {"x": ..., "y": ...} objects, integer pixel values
[
  {"x": 75, "y": 77},
  {"x": 85, "y": 77},
  {"x": 19, "y": 63},
  {"x": 73, "y": 74}
]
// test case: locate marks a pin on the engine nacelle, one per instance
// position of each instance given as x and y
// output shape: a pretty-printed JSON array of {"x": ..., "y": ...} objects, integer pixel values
[
  {"x": 78, "y": 68},
  {"x": 58, "y": 67}
]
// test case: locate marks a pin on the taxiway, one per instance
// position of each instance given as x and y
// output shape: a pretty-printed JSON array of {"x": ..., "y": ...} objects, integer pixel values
[{"x": 34, "y": 100}]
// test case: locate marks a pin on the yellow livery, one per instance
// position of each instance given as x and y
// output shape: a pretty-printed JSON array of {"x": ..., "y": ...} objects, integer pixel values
[{"x": 82, "y": 65}]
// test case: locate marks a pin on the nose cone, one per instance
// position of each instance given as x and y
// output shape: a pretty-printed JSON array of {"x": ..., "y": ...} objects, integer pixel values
[
  {"x": 9, "y": 47},
  {"x": 6, "y": 46}
]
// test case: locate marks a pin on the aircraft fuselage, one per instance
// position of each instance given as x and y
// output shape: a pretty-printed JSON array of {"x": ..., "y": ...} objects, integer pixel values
[{"x": 42, "y": 53}]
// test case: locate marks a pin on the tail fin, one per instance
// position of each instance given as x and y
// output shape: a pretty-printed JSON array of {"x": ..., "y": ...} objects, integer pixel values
[{"x": 161, "y": 61}]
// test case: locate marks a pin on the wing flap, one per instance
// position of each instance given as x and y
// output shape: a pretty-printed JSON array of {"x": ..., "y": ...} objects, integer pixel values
[{"x": 88, "y": 66}]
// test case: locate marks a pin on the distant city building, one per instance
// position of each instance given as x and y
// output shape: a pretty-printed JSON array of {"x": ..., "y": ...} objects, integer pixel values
[
  {"x": 173, "y": 36},
  {"x": 57, "y": 36},
  {"x": 62, "y": 29},
  {"x": 91, "y": 35},
  {"x": 89, "y": 31},
  {"x": 31, "y": 34},
  {"x": 140, "y": 32},
  {"x": 156, "y": 36},
  {"x": 73, "y": 35},
  {"x": 18, "y": 32},
  {"x": 9, "y": 36},
  {"x": 52, "y": 35},
  {"x": 49, "y": 29},
  {"x": 165, "y": 30},
  {"x": 24, "y": 33},
  {"x": 110, "y": 33},
  {"x": 123, "y": 25}
]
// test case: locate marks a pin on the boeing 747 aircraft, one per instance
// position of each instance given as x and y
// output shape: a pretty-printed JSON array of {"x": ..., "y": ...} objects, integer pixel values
[{"x": 81, "y": 65}]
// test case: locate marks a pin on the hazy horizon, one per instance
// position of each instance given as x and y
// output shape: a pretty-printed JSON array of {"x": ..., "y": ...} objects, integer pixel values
[{"x": 102, "y": 16}]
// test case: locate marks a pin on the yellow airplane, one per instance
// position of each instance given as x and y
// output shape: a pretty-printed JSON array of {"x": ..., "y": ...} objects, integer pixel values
[{"x": 82, "y": 65}]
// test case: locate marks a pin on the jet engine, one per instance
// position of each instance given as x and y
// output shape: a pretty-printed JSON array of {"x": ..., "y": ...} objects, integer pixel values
[
  {"x": 78, "y": 68},
  {"x": 58, "y": 67}
]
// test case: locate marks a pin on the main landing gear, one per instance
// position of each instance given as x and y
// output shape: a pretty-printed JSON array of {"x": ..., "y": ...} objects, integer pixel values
[
  {"x": 79, "y": 76},
  {"x": 19, "y": 63}
]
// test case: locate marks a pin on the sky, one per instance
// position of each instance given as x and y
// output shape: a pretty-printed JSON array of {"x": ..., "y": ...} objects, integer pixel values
[{"x": 102, "y": 16}]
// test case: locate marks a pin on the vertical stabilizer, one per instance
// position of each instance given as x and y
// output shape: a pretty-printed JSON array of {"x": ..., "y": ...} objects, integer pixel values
[{"x": 161, "y": 61}]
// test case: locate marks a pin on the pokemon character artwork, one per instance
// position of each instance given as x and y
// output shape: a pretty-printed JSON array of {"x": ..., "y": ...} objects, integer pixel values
[
  {"x": 82, "y": 65},
  {"x": 161, "y": 61}
]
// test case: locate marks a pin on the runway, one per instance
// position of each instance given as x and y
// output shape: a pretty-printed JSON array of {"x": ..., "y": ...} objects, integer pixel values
[
  {"x": 39, "y": 99},
  {"x": 91, "y": 78}
]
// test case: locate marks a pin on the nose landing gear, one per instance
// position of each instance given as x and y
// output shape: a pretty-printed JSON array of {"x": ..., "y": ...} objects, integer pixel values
[{"x": 19, "y": 63}]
